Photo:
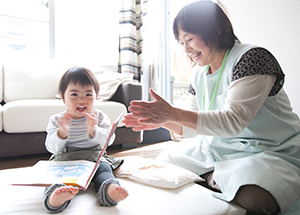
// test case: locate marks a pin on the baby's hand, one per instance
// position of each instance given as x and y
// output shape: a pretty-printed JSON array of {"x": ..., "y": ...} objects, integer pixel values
[
  {"x": 64, "y": 123},
  {"x": 90, "y": 123}
]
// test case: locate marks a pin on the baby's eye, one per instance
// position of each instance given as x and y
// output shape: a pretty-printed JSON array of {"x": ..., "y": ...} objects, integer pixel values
[
  {"x": 89, "y": 94},
  {"x": 74, "y": 94}
]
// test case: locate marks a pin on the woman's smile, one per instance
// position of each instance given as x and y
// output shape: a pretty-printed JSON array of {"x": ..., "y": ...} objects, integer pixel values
[{"x": 196, "y": 56}]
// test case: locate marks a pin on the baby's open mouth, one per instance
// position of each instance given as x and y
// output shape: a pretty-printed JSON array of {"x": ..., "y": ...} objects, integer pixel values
[{"x": 81, "y": 109}]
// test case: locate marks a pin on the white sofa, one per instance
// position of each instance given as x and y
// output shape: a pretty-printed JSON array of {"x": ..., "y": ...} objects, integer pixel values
[{"x": 27, "y": 92}]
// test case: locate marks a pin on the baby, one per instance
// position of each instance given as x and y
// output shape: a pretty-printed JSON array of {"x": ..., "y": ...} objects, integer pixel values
[{"x": 79, "y": 133}]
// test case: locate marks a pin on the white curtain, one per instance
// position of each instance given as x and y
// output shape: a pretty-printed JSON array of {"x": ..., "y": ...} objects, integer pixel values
[{"x": 156, "y": 50}]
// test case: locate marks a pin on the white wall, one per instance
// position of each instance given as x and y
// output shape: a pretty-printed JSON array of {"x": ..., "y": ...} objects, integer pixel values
[{"x": 275, "y": 25}]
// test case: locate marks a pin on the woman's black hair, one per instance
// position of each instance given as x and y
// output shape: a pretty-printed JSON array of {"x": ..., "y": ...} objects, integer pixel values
[
  {"x": 78, "y": 75},
  {"x": 209, "y": 21}
]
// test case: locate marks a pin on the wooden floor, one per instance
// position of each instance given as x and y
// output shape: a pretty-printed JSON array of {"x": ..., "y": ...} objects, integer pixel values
[{"x": 142, "y": 150}]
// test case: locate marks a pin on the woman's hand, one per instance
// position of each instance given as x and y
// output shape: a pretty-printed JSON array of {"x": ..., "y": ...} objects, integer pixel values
[
  {"x": 149, "y": 115},
  {"x": 131, "y": 121}
]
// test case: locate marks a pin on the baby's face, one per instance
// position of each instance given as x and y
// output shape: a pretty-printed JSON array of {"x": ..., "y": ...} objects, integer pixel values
[{"x": 79, "y": 99}]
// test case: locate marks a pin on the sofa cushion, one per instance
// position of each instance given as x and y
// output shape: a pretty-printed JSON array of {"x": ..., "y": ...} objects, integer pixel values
[
  {"x": 109, "y": 83},
  {"x": 39, "y": 79},
  {"x": 32, "y": 115},
  {"x": 1, "y": 110},
  {"x": 28, "y": 80},
  {"x": 1, "y": 82}
]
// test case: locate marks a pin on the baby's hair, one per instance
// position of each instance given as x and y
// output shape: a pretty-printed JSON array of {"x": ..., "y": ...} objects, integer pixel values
[{"x": 78, "y": 75}]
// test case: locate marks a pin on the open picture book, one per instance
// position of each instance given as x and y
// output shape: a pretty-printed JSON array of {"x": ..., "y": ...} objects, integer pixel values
[{"x": 78, "y": 173}]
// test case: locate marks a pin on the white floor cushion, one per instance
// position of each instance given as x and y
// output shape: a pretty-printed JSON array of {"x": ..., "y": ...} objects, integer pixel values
[{"x": 155, "y": 173}]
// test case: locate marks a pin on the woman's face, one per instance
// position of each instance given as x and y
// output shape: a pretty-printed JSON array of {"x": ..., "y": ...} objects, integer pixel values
[{"x": 195, "y": 47}]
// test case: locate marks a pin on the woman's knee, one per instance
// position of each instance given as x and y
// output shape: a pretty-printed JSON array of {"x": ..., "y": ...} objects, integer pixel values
[{"x": 256, "y": 199}]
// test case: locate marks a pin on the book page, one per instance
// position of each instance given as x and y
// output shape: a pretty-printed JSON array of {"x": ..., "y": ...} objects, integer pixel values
[{"x": 74, "y": 173}]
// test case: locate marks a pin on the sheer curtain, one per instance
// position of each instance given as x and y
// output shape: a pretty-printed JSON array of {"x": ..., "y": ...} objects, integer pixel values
[
  {"x": 156, "y": 54},
  {"x": 87, "y": 31},
  {"x": 132, "y": 13}
]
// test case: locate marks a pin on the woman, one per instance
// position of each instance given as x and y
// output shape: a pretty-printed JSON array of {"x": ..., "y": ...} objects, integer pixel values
[{"x": 247, "y": 140}]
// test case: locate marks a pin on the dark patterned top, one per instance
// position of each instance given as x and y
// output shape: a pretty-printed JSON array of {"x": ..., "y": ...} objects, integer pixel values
[
  {"x": 256, "y": 61},
  {"x": 259, "y": 61},
  {"x": 191, "y": 90}
]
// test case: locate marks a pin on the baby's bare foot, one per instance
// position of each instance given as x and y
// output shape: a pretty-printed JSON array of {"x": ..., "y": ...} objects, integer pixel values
[
  {"x": 117, "y": 193},
  {"x": 62, "y": 194}
]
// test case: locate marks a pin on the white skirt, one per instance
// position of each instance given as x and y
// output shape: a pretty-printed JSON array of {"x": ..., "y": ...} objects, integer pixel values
[{"x": 266, "y": 169}]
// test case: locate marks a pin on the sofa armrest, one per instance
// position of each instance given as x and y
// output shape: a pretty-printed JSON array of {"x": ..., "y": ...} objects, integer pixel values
[{"x": 127, "y": 92}]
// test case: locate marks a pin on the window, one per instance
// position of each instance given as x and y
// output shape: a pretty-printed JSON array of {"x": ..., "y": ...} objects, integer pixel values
[
  {"x": 181, "y": 68},
  {"x": 24, "y": 33},
  {"x": 85, "y": 30}
]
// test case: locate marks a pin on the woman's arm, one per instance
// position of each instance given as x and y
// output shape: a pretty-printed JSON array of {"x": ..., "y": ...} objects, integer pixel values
[
  {"x": 245, "y": 97},
  {"x": 159, "y": 113}
]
